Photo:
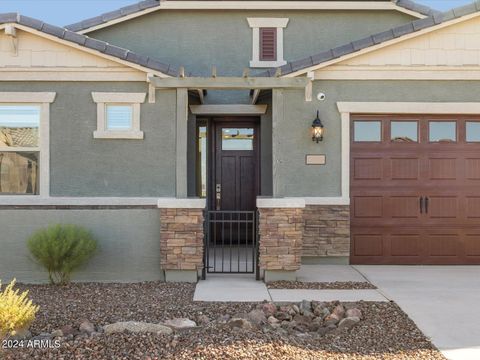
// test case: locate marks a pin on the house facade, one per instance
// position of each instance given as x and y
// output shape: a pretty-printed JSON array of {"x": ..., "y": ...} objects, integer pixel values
[{"x": 198, "y": 137}]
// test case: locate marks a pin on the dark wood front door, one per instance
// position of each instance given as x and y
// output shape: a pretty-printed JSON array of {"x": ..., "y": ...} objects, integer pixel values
[
  {"x": 415, "y": 189},
  {"x": 235, "y": 166}
]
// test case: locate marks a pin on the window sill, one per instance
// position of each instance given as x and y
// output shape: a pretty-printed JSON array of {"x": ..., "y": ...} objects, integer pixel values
[
  {"x": 132, "y": 135},
  {"x": 266, "y": 64}
]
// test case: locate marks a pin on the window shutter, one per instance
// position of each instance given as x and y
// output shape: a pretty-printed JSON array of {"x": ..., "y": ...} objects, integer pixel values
[{"x": 268, "y": 44}]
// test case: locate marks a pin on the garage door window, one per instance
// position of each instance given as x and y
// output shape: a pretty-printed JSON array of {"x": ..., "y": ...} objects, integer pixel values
[
  {"x": 442, "y": 131},
  {"x": 367, "y": 131},
  {"x": 472, "y": 129},
  {"x": 404, "y": 131}
]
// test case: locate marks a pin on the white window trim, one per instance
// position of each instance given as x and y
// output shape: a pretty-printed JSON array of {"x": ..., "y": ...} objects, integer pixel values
[
  {"x": 256, "y": 24},
  {"x": 42, "y": 99},
  {"x": 103, "y": 99}
]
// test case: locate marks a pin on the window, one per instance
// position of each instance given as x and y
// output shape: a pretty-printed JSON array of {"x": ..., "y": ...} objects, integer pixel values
[
  {"x": 202, "y": 159},
  {"x": 267, "y": 43},
  {"x": 118, "y": 115},
  {"x": 442, "y": 131},
  {"x": 369, "y": 131},
  {"x": 404, "y": 131},
  {"x": 472, "y": 131},
  {"x": 237, "y": 139}
]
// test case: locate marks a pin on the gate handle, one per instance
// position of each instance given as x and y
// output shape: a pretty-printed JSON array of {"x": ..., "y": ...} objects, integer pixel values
[
  {"x": 426, "y": 204},
  {"x": 421, "y": 204}
]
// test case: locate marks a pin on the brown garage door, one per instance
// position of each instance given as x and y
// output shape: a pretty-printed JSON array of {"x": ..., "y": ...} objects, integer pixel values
[{"x": 415, "y": 189}]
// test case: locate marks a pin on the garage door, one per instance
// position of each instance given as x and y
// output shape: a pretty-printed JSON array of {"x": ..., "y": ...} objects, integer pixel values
[{"x": 415, "y": 189}]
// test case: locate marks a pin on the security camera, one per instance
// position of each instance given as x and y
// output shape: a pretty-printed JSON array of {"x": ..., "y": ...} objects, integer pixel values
[{"x": 321, "y": 96}]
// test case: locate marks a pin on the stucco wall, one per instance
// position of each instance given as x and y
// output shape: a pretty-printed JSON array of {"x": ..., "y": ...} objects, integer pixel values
[
  {"x": 129, "y": 243},
  {"x": 293, "y": 177},
  {"x": 83, "y": 166}
]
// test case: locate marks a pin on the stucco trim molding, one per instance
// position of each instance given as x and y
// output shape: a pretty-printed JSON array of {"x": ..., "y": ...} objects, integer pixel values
[
  {"x": 27, "y": 97},
  {"x": 256, "y": 24},
  {"x": 102, "y": 99},
  {"x": 290, "y": 202},
  {"x": 186, "y": 203},
  {"x": 228, "y": 109},
  {"x": 348, "y": 108},
  {"x": 32, "y": 200}
]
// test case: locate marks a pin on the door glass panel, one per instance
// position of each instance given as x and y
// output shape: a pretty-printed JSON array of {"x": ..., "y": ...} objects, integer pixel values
[
  {"x": 237, "y": 139},
  {"x": 19, "y": 126},
  {"x": 367, "y": 131},
  {"x": 202, "y": 162},
  {"x": 473, "y": 131},
  {"x": 404, "y": 131},
  {"x": 442, "y": 131}
]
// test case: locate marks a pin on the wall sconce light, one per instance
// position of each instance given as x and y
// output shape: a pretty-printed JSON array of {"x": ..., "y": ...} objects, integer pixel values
[{"x": 317, "y": 129}]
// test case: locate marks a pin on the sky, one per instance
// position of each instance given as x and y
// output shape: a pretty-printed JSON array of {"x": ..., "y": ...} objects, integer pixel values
[{"x": 64, "y": 12}]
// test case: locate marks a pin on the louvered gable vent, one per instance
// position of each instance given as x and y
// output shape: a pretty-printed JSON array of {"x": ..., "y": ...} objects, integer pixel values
[{"x": 268, "y": 44}]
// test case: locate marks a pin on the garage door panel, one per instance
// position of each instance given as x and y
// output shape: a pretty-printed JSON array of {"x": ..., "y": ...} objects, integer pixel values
[
  {"x": 442, "y": 168},
  {"x": 405, "y": 168},
  {"x": 443, "y": 244},
  {"x": 368, "y": 206},
  {"x": 472, "y": 244},
  {"x": 405, "y": 245},
  {"x": 367, "y": 169},
  {"x": 443, "y": 207},
  {"x": 472, "y": 168},
  {"x": 368, "y": 244},
  {"x": 402, "y": 207},
  {"x": 473, "y": 207}
]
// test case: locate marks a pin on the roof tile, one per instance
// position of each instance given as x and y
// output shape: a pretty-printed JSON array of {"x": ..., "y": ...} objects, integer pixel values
[
  {"x": 8, "y": 17},
  {"x": 111, "y": 15},
  {"x": 465, "y": 10},
  {"x": 116, "y": 51},
  {"x": 383, "y": 36},
  {"x": 423, "y": 23},
  {"x": 53, "y": 30},
  {"x": 362, "y": 43},
  {"x": 95, "y": 44},
  {"x": 302, "y": 63},
  {"x": 322, "y": 57},
  {"x": 342, "y": 50},
  {"x": 130, "y": 9},
  {"x": 74, "y": 37},
  {"x": 30, "y": 22},
  {"x": 403, "y": 30},
  {"x": 90, "y": 22}
]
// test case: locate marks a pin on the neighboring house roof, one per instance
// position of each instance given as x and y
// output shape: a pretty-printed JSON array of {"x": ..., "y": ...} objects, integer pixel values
[
  {"x": 374, "y": 41},
  {"x": 147, "y": 6},
  {"x": 101, "y": 47}
]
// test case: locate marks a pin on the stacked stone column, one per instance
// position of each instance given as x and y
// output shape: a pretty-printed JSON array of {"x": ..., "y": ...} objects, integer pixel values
[
  {"x": 280, "y": 248},
  {"x": 181, "y": 243}
]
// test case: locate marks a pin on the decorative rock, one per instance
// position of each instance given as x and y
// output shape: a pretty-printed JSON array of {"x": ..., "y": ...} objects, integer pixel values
[
  {"x": 354, "y": 312},
  {"x": 318, "y": 310},
  {"x": 283, "y": 316},
  {"x": 42, "y": 336},
  {"x": 257, "y": 317},
  {"x": 86, "y": 327},
  {"x": 348, "y": 322},
  {"x": 325, "y": 313},
  {"x": 332, "y": 319},
  {"x": 180, "y": 323},
  {"x": 272, "y": 320},
  {"x": 269, "y": 309},
  {"x": 240, "y": 323},
  {"x": 296, "y": 309},
  {"x": 22, "y": 335},
  {"x": 203, "y": 319},
  {"x": 305, "y": 307},
  {"x": 223, "y": 319},
  {"x": 322, "y": 331},
  {"x": 136, "y": 327},
  {"x": 339, "y": 310},
  {"x": 57, "y": 333},
  {"x": 67, "y": 330}
]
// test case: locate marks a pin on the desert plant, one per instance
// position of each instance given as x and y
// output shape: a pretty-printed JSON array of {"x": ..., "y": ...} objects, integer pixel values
[
  {"x": 61, "y": 249},
  {"x": 16, "y": 311}
]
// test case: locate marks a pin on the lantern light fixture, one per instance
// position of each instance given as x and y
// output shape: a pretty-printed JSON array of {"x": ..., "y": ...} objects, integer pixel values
[{"x": 317, "y": 129}]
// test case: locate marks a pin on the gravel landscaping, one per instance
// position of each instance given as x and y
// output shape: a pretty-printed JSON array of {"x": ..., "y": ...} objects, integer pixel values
[
  {"x": 338, "y": 285},
  {"x": 122, "y": 321}
]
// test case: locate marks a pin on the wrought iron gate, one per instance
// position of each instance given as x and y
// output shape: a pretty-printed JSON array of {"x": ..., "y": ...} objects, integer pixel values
[{"x": 231, "y": 243}]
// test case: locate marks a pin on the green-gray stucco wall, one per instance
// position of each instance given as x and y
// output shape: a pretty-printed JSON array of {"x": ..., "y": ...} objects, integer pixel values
[
  {"x": 128, "y": 240},
  {"x": 200, "y": 39},
  {"x": 293, "y": 177},
  {"x": 83, "y": 166}
]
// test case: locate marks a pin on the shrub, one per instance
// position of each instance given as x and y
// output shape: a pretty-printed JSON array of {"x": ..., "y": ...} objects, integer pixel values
[
  {"x": 16, "y": 311},
  {"x": 61, "y": 249}
]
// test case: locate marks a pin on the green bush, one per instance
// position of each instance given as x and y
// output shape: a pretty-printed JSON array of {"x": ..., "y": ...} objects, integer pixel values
[{"x": 61, "y": 249}]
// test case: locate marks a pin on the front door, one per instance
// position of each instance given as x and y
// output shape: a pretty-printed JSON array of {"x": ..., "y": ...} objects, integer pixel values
[{"x": 231, "y": 242}]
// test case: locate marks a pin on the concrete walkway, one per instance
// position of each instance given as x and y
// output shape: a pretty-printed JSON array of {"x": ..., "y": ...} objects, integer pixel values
[{"x": 444, "y": 302}]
